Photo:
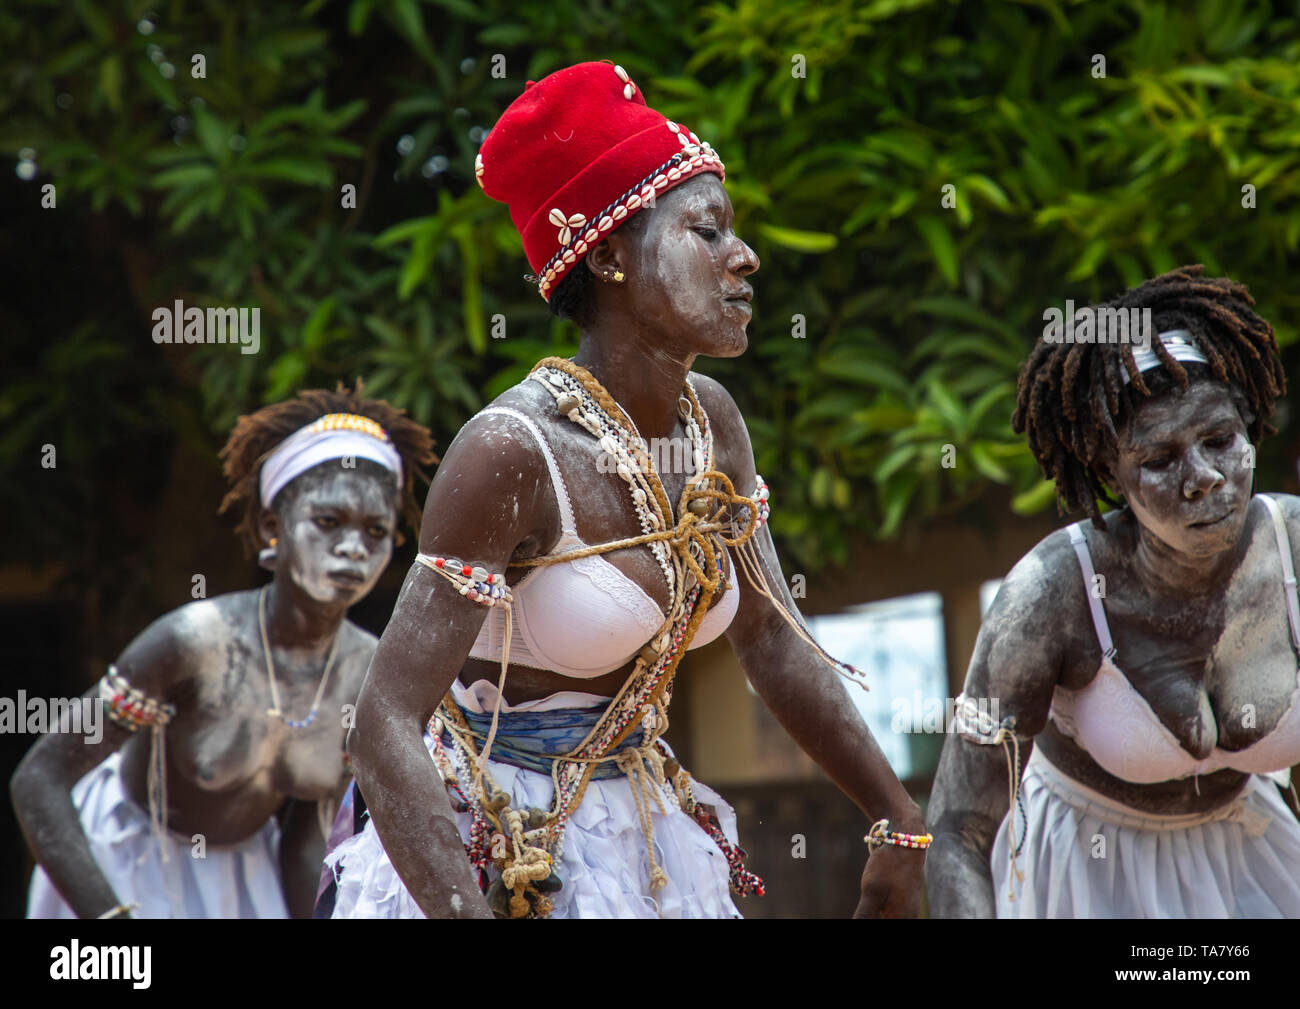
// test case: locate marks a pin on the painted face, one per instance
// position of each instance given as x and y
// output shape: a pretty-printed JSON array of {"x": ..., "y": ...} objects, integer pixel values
[
  {"x": 336, "y": 532},
  {"x": 1185, "y": 468},
  {"x": 688, "y": 275}
]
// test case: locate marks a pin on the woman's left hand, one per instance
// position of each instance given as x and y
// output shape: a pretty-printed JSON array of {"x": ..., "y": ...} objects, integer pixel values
[{"x": 892, "y": 883}]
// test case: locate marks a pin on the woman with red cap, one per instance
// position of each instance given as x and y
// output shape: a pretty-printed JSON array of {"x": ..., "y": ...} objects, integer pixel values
[{"x": 581, "y": 533}]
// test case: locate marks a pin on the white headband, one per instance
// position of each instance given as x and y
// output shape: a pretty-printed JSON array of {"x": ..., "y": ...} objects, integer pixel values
[
  {"x": 1178, "y": 342},
  {"x": 334, "y": 436}
]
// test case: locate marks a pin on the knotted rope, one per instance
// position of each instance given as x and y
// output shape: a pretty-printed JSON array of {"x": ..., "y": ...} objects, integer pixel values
[
  {"x": 644, "y": 785},
  {"x": 1011, "y": 746},
  {"x": 531, "y": 864}
]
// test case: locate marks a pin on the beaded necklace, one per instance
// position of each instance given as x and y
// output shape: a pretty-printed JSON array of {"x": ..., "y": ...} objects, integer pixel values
[{"x": 274, "y": 710}]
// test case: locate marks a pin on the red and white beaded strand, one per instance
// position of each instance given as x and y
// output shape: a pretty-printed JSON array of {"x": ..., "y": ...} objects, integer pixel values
[{"x": 474, "y": 582}]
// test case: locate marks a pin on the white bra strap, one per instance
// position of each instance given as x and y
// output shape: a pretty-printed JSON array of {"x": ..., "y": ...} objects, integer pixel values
[
  {"x": 1089, "y": 581},
  {"x": 1288, "y": 568},
  {"x": 557, "y": 482}
]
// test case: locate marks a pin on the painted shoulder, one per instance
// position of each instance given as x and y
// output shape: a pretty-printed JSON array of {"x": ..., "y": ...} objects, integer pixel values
[
  {"x": 731, "y": 444},
  {"x": 176, "y": 644},
  {"x": 1044, "y": 588},
  {"x": 502, "y": 434},
  {"x": 715, "y": 399},
  {"x": 1290, "y": 505}
]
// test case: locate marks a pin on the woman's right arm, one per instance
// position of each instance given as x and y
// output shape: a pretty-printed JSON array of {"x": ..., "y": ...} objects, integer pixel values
[
  {"x": 41, "y": 787},
  {"x": 485, "y": 501},
  {"x": 1017, "y": 659}
]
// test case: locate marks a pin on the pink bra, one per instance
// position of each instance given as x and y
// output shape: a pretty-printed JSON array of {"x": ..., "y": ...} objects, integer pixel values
[
  {"x": 582, "y": 618},
  {"x": 1117, "y": 727}
]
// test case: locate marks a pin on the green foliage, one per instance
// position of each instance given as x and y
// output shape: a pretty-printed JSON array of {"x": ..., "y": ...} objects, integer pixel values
[{"x": 840, "y": 123}]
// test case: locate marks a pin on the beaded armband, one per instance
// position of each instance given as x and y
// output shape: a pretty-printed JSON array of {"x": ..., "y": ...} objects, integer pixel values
[
  {"x": 475, "y": 583},
  {"x": 131, "y": 708},
  {"x": 880, "y": 835},
  {"x": 760, "y": 496}
]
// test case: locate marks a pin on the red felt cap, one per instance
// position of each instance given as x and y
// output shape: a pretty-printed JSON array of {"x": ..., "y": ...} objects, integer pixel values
[{"x": 577, "y": 154}]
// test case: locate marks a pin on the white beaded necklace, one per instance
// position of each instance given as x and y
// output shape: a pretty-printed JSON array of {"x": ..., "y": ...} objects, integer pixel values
[{"x": 631, "y": 454}]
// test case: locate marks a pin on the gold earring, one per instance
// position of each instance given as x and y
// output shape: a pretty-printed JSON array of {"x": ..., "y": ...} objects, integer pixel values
[
  {"x": 618, "y": 276},
  {"x": 274, "y": 541}
]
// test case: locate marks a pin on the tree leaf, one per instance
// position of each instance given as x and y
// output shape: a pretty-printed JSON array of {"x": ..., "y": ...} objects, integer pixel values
[
  {"x": 941, "y": 246},
  {"x": 800, "y": 241}
]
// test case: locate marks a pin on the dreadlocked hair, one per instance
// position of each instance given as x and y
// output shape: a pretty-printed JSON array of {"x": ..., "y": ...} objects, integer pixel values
[
  {"x": 1071, "y": 399},
  {"x": 256, "y": 436}
]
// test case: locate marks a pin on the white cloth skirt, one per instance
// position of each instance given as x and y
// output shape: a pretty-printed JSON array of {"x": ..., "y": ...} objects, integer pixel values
[
  {"x": 1088, "y": 856},
  {"x": 604, "y": 864},
  {"x": 234, "y": 881}
]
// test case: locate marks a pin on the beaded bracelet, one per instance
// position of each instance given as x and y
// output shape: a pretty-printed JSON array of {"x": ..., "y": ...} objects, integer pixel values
[
  {"x": 475, "y": 583},
  {"x": 880, "y": 834},
  {"x": 131, "y": 708}
]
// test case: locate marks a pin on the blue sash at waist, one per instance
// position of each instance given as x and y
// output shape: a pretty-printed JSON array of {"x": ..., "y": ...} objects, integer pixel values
[{"x": 524, "y": 738}]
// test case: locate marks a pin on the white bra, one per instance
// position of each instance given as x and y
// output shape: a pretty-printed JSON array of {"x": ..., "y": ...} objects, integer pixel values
[
  {"x": 581, "y": 618},
  {"x": 1121, "y": 732}
]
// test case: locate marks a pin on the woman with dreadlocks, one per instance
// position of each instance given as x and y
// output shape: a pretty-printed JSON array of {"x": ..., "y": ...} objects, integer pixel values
[
  {"x": 212, "y": 812},
  {"x": 1145, "y": 663}
]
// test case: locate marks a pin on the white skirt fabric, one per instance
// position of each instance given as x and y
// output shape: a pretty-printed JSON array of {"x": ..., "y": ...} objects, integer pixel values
[
  {"x": 235, "y": 881},
  {"x": 1088, "y": 856},
  {"x": 604, "y": 864}
]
